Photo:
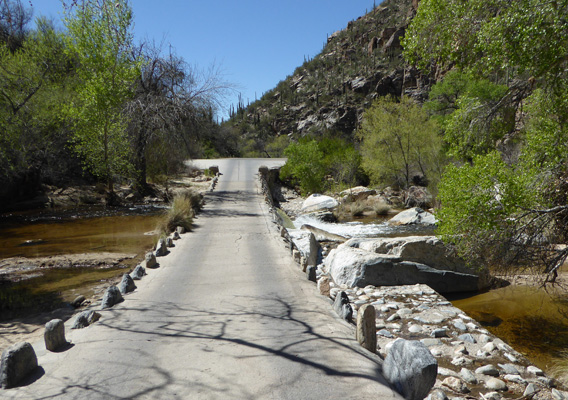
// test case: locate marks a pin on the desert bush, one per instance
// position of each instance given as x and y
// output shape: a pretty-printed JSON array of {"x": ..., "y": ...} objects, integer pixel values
[
  {"x": 381, "y": 208},
  {"x": 357, "y": 208},
  {"x": 181, "y": 212}
]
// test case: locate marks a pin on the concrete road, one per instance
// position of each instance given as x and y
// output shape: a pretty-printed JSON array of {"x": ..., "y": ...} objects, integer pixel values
[{"x": 228, "y": 315}]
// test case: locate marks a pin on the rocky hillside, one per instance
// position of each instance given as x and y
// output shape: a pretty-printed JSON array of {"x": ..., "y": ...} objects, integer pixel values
[{"x": 329, "y": 93}]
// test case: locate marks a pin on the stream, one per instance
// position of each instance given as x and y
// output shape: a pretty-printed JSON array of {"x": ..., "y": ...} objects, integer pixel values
[{"x": 81, "y": 235}]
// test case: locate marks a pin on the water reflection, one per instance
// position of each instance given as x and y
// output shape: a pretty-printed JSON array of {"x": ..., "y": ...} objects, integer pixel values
[
  {"x": 532, "y": 320},
  {"x": 71, "y": 233}
]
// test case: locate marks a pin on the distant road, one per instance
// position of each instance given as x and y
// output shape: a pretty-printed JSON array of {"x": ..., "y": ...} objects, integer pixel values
[{"x": 228, "y": 315}]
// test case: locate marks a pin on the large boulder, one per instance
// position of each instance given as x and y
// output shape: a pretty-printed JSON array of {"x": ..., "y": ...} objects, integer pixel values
[
  {"x": 357, "y": 193},
  {"x": 418, "y": 196},
  {"x": 410, "y": 368},
  {"x": 413, "y": 216},
  {"x": 307, "y": 244},
  {"x": 17, "y": 362},
  {"x": 318, "y": 202},
  {"x": 427, "y": 250},
  {"x": 358, "y": 268}
]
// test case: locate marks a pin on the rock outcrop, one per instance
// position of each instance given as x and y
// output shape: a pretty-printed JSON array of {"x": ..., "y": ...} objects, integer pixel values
[{"x": 400, "y": 261}]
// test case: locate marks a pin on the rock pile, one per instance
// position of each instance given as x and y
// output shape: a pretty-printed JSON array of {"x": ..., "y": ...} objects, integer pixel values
[{"x": 471, "y": 360}]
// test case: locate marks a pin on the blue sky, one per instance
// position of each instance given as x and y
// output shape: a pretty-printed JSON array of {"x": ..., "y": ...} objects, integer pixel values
[{"x": 257, "y": 43}]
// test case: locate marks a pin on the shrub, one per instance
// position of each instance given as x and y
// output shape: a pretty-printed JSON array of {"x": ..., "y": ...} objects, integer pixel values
[
  {"x": 381, "y": 208},
  {"x": 357, "y": 208},
  {"x": 181, "y": 212}
]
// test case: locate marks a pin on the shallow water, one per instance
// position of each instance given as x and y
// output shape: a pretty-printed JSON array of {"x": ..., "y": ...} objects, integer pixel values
[
  {"x": 33, "y": 236},
  {"x": 73, "y": 231},
  {"x": 50, "y": 290},
  {"x": 532, "y": 320}
]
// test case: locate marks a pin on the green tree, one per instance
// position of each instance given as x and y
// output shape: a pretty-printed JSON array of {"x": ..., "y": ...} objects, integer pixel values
[
  {"x": 471, "y": 113},
  {"x": 305, "y": 165},
  {"x": 501, "y": 210},
  {"x": 399, "y": 140},
  {"x": 100, "y": 39}
]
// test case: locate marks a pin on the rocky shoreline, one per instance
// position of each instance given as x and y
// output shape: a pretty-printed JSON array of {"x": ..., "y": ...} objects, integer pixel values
[{"x": 472, "y": 362}]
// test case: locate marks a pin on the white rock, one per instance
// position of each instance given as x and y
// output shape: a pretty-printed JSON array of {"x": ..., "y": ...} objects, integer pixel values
[
  {"x": 483, "y": 338},
  {"x": 495, "y": 384},
  {"x": 514, "y": 378},
  {"x": 535, "y": 371},
  {"x": 489, "y": 347},
  {"x": 318, "y": 202}
]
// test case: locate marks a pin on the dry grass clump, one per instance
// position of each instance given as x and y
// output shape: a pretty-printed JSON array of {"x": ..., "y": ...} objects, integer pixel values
[
  {"x": 381, "y": 208},
  {"x": 357, "y": 208},
  {"x": 181, "y": 212}
]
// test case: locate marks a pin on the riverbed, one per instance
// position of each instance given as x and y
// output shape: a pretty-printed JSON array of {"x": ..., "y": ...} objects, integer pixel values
[{"x": 48, "y": 258}]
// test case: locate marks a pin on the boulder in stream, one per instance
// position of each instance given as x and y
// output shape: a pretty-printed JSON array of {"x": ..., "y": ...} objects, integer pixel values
[
  {"x": 317, "y": 203},
  {"x": 358, "y": 263},
  {"x": 413, "y": 216}
]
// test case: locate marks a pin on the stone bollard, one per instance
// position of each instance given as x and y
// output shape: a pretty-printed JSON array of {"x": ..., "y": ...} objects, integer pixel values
[
  {"x": 17, "y": 362},
  {"x": 161, "y": 248},
  {"x": 296, "y": 255},
  {"x": 85, "y": 319},
  {"x": 342, "y": 306},
  {"x": 410, "y": 368},
  {"x": 112, "y": 296},
  {"x": 311, "y": 272},
  {"x": 126, "y": 284},
  {"x": 169, "y": 242},
  {"x": 138, "y": 273},
  {"x": 175, "y": 235},
  {"x": 180, "y": 230},
  {"x": 150, "y": 261},
  {"x": 366, "y": 332},
  {"x": 304, "y": 263},
  {"x": 54, "y": 335}
]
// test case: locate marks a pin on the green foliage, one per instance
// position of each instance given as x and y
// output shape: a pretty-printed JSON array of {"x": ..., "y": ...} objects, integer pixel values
[
  {"x": 305, "y": 165},
  {"x": 100, "y": 38},
  {"x": 399, "y": 141},
  {"x": 490, "y": 36},
  {"x": 470, "y": 112},
  {"x": 311, "y": 161}
]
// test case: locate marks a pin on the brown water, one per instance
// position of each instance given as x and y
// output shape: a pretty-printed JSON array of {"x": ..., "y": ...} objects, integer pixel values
[
  {"x": 70, "y": 232},
  {"x": 51, "y": 236},
  {"x": 532, "y": 320}
]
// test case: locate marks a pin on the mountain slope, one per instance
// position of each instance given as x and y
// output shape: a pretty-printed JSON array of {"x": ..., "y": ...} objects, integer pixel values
[{"x": 328, "y": 94}]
